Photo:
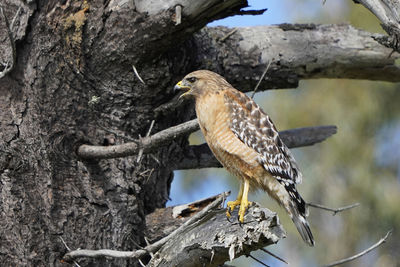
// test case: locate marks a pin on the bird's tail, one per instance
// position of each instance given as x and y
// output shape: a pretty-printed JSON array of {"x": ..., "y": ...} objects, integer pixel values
[
  {"x": 302, "y": 225},
  {"x": 298, "y": 212}
]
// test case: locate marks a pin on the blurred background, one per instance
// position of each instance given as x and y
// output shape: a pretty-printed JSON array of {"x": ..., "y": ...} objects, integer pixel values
[{"x": 358, "y": 164}]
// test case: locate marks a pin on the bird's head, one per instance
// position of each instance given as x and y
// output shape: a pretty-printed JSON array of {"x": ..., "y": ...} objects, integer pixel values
[{"x": 201, "y": 82}]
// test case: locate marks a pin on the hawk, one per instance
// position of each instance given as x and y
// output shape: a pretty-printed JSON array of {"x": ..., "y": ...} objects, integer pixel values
[{"x": 244, "y": 139}]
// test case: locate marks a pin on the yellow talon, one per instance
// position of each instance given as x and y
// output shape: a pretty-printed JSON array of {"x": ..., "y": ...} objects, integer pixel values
[
  {"x": 241, "y": 201},
  {"x": 231, "y": 205},
  {"x": 242, "y": 210}
]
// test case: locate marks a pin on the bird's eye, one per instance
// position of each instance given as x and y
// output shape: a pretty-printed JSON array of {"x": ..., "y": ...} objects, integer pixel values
[{"x": 192, "y": 79}]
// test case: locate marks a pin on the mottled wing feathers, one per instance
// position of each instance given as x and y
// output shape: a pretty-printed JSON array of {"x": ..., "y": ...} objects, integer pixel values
[{"x": 254, "y": 128}]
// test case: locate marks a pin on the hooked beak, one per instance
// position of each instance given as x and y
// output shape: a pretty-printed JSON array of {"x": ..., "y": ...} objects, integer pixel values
[{"x": 183, "y": 87}]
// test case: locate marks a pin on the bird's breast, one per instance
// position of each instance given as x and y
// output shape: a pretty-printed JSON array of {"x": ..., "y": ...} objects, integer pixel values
[{"x": 237, "y": 157}]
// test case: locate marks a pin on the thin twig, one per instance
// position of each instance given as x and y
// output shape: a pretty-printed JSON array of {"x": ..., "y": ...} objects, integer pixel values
[
  {"x": 383, "y": 240},
  {"x": 335, "y": 211},
  {"x": 273, "y": 255},
  {"x": 15, "y": 18},
  {"x": 178, "y": 14},
  {"x": 137, "y": 74},
  {"x": 66, "y": 246},
  {"x": 261, "y": 79},
  {"x": 150, "y": 248},
  {"x": 140, "y": 154},
  {"x": 227, "y": 35},
  {"x": 147, "y": 244},
  {"x": 257, "y": 260}
]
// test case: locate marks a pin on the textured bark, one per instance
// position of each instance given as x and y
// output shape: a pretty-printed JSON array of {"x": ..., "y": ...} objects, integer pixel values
[
  {"x": 388, "y": 12},
  {"x": 215, "y": 240},
  {"x": 296, "y": 52},
  {"x": 73, "y": 84}
]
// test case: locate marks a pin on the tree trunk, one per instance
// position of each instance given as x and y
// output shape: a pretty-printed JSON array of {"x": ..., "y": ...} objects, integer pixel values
[{"x": 71, "y": 81}]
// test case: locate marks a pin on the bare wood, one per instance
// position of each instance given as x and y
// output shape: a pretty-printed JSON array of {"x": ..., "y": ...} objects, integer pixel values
[
  {"x": 335, "y": 211},
  {"x": 210, "y": 228},
  {"x": 298, "y": 51},
  {"x": 380, "y": 242},
  {"x": 292, "y": 138},
  {"x": 148, "y": 249},
  {"x": 214, "y": 239},
  {"x": 178, "y": 14},
  {"x": 388, "y": 12},
  {"x": 200, "y": 156},
  {"x": 132, "y": 148}
]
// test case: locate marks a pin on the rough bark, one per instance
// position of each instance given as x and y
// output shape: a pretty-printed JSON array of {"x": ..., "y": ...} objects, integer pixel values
[
  {"x": 388, "y": 12},
  {"x": 72, "y": 83},
  {"x": 215, "y": 240},
  {"x": 296, "y": 52}
]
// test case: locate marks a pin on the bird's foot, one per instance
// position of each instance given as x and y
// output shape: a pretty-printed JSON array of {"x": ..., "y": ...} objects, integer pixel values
[
  {"x": 243, "y": 208},
  {"x": 231, "y": 205}
]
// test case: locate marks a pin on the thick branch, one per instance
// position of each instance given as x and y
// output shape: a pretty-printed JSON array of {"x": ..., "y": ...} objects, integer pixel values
[
  {"x": 132, "y": 148},
  {"x": 200, "y": 156},
  {"x": 297, "y": 52},
  {"x": 293, "y": 138},
  {"x": 214, "y": 240},
  {"x": 388, "y": 12},
  {"x": 193, "y": 16},
  {"x": 150, "y": 248},
  {"x": 206, "y": 237}
]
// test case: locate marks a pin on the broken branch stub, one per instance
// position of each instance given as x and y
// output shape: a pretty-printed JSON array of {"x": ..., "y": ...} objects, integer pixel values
[{"x": 214, "y": 240}]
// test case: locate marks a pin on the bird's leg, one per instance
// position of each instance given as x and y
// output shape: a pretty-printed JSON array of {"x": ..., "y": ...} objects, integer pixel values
[
  {"x": 245, "y": 202},
  {"x": 232, "y": 204}
]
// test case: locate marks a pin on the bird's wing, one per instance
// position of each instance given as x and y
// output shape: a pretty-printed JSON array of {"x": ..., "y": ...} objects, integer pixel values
[{"x": 255, "y": 129}]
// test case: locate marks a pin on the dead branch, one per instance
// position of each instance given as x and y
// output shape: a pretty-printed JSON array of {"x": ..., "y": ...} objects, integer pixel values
[
  {"x": 200, "y": 156},
  {"x": 148, "y": 249},
  {"x": 214, "y": 240},
  {"x": 335, "y": 211},
  {"x": 132, "y": 148},
  {"x": 380, "y": 242},
  {"x": 388, "y": 12},
  {"x": 210, "y": 228},
  {"x": 292, "y": 138},
  {"x": 206, "y": 233},
  {"x": 301, "y": 51}
]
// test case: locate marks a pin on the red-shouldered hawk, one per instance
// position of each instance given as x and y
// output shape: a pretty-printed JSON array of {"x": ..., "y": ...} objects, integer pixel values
[{"x": 244, "y": 139}]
